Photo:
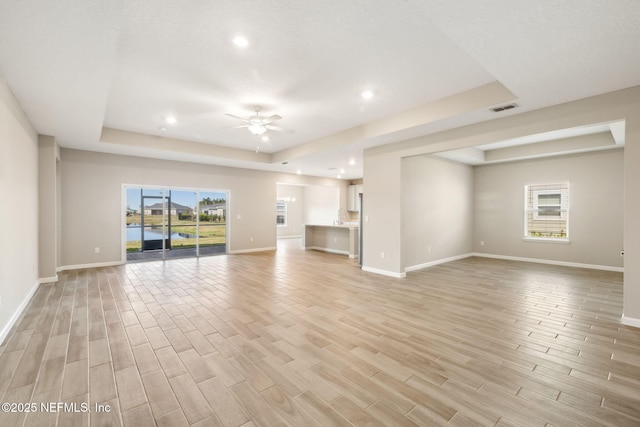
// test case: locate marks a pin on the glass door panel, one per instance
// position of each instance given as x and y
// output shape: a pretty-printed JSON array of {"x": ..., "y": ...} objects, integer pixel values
[
  {"x": 212, "y": 219},
  {"x": 183, "y": 223},
  {"x": 134, "y": 220},
  {"x": 155, "y": 222}
]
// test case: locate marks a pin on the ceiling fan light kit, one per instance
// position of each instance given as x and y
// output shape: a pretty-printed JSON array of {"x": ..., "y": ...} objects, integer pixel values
[
  {"x": 257, "y": 128},
  {"x": 258, "y": 125}
]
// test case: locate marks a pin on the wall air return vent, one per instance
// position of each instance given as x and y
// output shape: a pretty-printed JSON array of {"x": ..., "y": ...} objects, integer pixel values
[{"x": 504, "y": 107}]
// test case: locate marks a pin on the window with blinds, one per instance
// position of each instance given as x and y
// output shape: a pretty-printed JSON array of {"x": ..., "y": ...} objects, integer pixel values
[
  {"x": 546, "y": 211},
  {"x": 281, "y": 212}
]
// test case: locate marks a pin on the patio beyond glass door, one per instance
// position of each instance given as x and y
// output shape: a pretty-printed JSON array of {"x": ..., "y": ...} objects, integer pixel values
[{"x": 166, "y": 223}]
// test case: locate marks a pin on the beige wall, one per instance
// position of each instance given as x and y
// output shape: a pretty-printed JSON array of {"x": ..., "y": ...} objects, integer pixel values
[
  {"x": 18, "y": 209},
  {"x": 321, "y": 204},
  {"x": 381, "y": 227},
  {"x": 631, "y": 214},
  {"x": 596, "y": 203},
  {"x": 437, "y": 210},
  {"x": 48, "y": 157},
  {"x": 92, "y": 208}
]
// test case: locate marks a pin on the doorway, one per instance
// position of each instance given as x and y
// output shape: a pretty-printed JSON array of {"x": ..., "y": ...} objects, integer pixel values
[{"x": 164, "y": 223}]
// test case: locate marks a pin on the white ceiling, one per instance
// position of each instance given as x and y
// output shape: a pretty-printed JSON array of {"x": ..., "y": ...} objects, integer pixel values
[{"x": 103, "y": 75}]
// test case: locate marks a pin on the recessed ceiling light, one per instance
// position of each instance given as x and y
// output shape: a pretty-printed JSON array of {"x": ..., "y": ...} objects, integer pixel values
[
  {"x": 352, "y": 162},
  {"x": 265, "y": 138},
  {"x": 342, "y": 170},
  {"x": 298, "y": 171},
  {"x": 241, "y": 41},
  {"x": 171, "y": 120},
  {"x": 366, "y": 94},
  {"x": 339, "y": 176}
]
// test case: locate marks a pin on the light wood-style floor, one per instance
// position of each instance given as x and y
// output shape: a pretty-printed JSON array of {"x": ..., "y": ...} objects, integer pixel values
[{"x": 306, "y": 338}]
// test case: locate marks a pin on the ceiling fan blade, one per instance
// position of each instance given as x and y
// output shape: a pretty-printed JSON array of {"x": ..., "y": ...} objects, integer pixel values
[
  {"x": 271, "y": 119},
  {"x": 236, "y": 127},
  {"x": 278, "y": 129},
  {"x": 236, "y": 117}
]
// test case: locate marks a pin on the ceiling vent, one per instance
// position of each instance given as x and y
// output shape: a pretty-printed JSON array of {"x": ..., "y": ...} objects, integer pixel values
[{"x": 504, "y": 107}]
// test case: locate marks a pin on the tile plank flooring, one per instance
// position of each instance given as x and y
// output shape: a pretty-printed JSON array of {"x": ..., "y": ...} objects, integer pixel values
[{"x": 306, "y": 338}]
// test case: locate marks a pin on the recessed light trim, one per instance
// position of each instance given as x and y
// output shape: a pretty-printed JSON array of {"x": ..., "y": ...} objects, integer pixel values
[
  {"x": 366, "y": 94},
  {"x": 241, "y": 41},
  {"x": 171, "y": 120}
]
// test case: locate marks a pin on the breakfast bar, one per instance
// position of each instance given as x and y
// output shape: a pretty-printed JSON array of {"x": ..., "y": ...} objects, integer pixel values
[{"x": 339, "y": 239}]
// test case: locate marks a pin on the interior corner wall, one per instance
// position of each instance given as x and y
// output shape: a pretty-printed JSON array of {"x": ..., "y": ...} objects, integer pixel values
[
  {"x": 596, "y": 205},
  {"x": 18, "y": 211},
  {"x": 381, "y": 227},
  {"x": 631, "y": 210},
  {"x": 437, "y": 210},
  {"x": 47, "y": 210}
]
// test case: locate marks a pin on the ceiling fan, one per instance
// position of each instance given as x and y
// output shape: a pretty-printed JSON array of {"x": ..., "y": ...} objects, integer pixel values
[{"x": 258, "y": 124}]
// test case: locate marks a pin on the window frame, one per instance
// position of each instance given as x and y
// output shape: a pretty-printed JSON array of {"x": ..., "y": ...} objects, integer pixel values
[
  {"x": 536, "y": 190},
  {"x": 283, "y": 213}
]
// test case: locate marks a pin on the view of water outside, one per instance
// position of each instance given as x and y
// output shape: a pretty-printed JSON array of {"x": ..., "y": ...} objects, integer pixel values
[{"x": 184, "y": 230}]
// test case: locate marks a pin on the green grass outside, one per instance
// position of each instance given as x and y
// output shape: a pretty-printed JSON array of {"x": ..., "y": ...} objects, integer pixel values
[{"x": 211, "y": 233}]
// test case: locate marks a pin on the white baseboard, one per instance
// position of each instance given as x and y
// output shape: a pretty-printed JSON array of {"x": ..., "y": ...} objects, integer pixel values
[
  {"x": 333, "y": 251},
  {"x": 384, "y": 272},
  {"x": 436, "y": 262},
  {"x": 246, "y": 251},
  {"x": 48, "y": 279},
  {"x": 93, "y": 265},
  {"x": 630, "y": 321},
  {"x": 551, "y": 262},
  {"x": 16, "y": 315}
]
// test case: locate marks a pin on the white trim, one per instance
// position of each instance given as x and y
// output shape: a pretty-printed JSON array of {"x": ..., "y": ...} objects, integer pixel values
[
  {"x": 384, "y": 272},
  {"x": 552, "y": 262},
  {"x": 295, "y": 236},
  {"x": 18, "y": 313},
  {"x": 546, "y": 240},
  {"x": 333, "y": 251},
  {"x": 436, "y": 262},
  {"x": 92, "y": 265},
  {"x": 246, "y": 251},
  {"x": 52, "y": 279},
  {"x": 630, "y": 321}
]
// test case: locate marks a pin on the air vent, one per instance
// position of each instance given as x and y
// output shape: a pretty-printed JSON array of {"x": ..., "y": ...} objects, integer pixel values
[{"x": 504, "y": 107}]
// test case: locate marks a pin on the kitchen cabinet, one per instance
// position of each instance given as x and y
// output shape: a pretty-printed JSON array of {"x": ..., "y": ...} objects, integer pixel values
[{"x": 353, "y": 197}]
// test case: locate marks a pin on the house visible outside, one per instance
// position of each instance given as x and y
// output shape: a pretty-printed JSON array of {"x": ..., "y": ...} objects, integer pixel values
[
  {"x": 219, "y": 209},
  {"x": 176, "y": 209}
]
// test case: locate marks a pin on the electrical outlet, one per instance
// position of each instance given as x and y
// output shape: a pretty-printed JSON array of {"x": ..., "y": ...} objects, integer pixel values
[
  {"x": 481, "y": 242},
  {"x": 97, "y": 250},
  {"x": 251, "y": 239},
  {"x": 429, "y": 249},
  {"x": 382, "y": 255},
  {"x": 335, "y": 239}
]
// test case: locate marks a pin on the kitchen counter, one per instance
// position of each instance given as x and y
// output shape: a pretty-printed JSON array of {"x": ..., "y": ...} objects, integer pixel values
[{"x": 340, "y": 239}]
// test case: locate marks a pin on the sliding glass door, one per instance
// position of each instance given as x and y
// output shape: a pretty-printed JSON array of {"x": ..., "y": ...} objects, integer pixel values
[{"x": 166, "y": 223}]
